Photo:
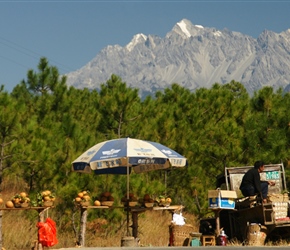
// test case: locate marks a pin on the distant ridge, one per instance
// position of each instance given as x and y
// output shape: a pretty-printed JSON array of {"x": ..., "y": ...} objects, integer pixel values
[{"x": 192, "y": 56}]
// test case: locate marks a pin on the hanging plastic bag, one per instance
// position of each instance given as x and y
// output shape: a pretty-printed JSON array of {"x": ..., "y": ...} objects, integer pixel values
[
  {"x": 47, "y": 233},
  {"x": 178, "y": 219}
]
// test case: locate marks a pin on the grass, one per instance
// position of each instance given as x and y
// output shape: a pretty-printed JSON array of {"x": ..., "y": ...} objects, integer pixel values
[
  {"x": 19, "y": 228},
  {"x": 19, "y": 232}
]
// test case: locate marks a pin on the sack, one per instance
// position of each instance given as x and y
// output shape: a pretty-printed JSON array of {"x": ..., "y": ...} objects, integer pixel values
[{"x": 47, "y": 233}]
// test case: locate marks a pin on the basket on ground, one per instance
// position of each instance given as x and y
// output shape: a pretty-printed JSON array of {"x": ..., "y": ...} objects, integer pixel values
[
  {"x": 180, "y": 235},
  {"x": 256, "y": 235}
]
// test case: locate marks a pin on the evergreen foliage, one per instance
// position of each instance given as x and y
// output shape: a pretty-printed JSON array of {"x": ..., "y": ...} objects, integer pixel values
[{"x": 44, "y": 126}]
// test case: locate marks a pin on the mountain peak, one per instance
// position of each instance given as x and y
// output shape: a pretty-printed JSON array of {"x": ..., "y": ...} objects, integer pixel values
[
  {"x": 192, "y": 56},
  {"x": 186, "y": 26},
  {"x": 182, "y": 25},
  {"x": 139, "y": 38}
]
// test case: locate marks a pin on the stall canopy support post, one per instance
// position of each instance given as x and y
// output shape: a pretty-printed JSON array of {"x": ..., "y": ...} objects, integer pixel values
[
  {"x": 217, "y": 218},
  {"x": 135, "y": 224},
  {"x": 84, "y": 214},
  {"x": 127, "y": 201},
  {"x": 1, "y": 229}
]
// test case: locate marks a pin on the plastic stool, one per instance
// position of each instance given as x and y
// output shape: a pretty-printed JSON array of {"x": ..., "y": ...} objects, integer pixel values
[{"x": 195, "y": 242}]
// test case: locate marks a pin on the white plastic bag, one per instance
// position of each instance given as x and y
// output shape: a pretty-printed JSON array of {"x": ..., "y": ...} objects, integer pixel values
[{"x": 178, "y": 219}]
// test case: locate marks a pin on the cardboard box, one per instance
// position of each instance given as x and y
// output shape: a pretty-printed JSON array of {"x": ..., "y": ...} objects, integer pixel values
[{"x": 222, "y": 199}]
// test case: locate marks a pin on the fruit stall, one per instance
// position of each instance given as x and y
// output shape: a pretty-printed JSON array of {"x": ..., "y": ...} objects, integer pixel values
[
  {"x": 133, "y": 206},
  {"x": 21, "y": 201}
]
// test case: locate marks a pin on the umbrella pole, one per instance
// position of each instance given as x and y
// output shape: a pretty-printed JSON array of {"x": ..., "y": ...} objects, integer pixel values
[
  {"x": 127, "y": 201},
  {"x": 165, "y": 180}
]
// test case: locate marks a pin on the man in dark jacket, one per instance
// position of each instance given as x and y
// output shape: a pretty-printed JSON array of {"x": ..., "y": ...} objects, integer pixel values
[{"x": 251, "y": 183}]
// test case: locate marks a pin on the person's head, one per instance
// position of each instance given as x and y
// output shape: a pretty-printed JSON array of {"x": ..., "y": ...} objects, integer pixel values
[{"x": 259, "y": 165}]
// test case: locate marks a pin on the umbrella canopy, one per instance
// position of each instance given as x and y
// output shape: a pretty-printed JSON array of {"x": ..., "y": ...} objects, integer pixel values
[
  {"x": 119, "y": 156},
  {"x": 116, "y": 156}
]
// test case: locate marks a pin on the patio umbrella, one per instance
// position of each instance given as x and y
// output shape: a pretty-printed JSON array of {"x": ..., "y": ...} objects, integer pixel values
[{"x": 120, "y": 156}]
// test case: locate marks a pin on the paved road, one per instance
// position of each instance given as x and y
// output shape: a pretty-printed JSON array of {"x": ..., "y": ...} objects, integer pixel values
[{"x": 178, "y": 248}]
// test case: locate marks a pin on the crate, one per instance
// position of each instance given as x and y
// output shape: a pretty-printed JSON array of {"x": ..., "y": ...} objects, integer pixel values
[
  {"x": 278, "y": 197},
  {"x": 224, "y": 199},
  {"x": 280, "y": 209},
  {"x": 180, "y": 235}
]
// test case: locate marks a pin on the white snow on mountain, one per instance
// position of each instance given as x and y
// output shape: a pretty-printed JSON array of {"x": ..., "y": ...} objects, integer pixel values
[
  {"x": 183, "y": 27},
  {"x": 199, "y": 26},
  {"x": 136, "y": 39},
  {"x": 192, "y": 56},
  {"x": 217, "y": 33}
]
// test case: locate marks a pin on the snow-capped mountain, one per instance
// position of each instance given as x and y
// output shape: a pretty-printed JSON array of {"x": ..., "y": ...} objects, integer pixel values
[{"x": 192, "y": 56}]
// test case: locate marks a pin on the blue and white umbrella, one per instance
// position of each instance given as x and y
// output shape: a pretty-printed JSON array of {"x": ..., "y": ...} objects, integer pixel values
[{"x": 121, "y": 155}]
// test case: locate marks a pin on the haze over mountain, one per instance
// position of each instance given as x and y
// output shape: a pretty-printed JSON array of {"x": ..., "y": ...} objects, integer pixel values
[{"x": 192, "y": 56}]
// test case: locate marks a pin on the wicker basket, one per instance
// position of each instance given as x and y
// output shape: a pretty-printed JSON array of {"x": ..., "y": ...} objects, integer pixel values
[
  {"x": 107, "y": 203},
  {"x": 17, "y": 205},
  {"x": 278, "y": 197},
  {"x": 256, "y": 235},
  {"x": 48, "y": 203},
  {"x": 131, "y": 203},
  {"x": 164, "y": 204},
  {"x": 149, "y": 204},
  {"x": 24, "y": 204},
  {"x": 85, "y": 203},
  {"x": 180, "y": 235}
]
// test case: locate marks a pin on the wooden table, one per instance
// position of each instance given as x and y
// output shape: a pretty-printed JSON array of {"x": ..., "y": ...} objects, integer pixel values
[
  {"x": 40, "y": 210},
  {"x": 135, "y": 211}
]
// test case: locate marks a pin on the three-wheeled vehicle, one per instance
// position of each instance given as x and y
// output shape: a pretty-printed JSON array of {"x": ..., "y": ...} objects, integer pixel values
[{"x": 273, "y": 216}]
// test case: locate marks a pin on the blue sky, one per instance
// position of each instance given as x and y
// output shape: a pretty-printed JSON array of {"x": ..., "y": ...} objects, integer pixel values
[{"x": 71, "y": 33}]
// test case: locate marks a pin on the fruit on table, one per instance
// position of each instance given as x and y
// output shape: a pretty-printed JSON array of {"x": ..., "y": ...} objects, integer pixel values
[
  {"x": 147, "y": 199},
  {"x": 164, "y": 200},
  {"x": 86, "y": 197},
  {"x": 168, "y": 200},
  {"x": 132, "y": 197},
  {"x": 97, "y": 203},
  {"x": 23, "y": 194},
  {"x": 106, "y": 196},
  {"x": 132, "y": 200},
  {"x": 45, "y": 198},
  {"x": 82, "y": 196},
  {"x": 20, "y": 198},
  {"x": 9, "y": 204},
  {"x": 1, "y": 201}
]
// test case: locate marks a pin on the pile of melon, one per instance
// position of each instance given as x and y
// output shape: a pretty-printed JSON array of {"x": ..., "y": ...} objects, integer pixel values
[
  {"x": 164, "y": 201},
  {"x": 147, "y": 201},
  {"x": 47, "y": 196},
  {"x": 83, "y": 198},
  {"x": 106, "y": 199},
  {"x": 18, "y": 200},
  {"x": 133, "y": 200}
]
